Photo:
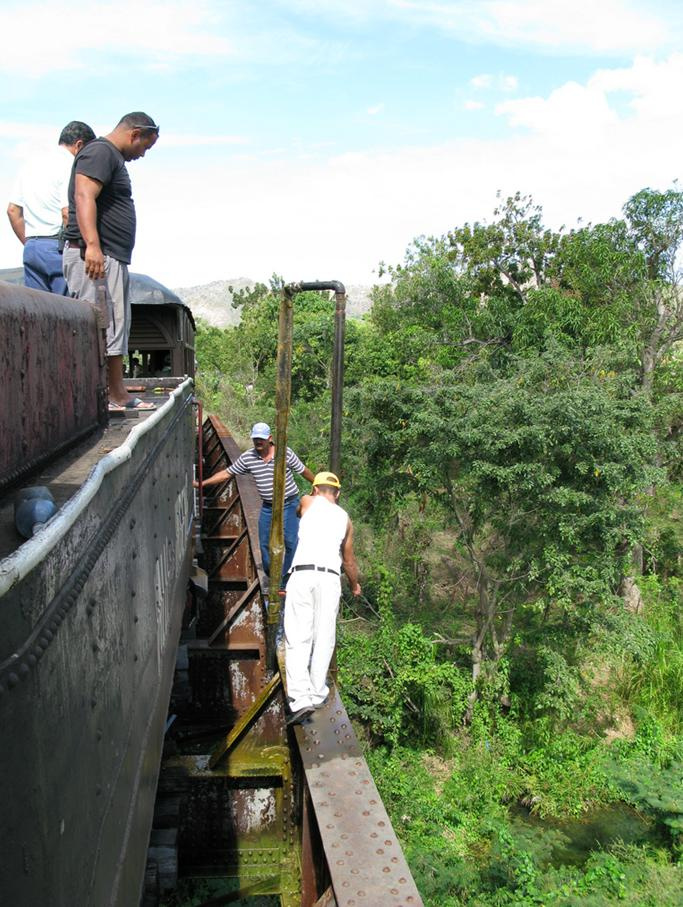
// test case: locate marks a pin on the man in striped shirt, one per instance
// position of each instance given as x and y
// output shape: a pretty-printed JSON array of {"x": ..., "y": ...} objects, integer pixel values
[{"x": 259, "y": 461}]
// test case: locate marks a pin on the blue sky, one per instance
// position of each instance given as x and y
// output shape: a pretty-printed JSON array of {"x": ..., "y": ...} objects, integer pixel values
[{"x": 316, "y": 139}]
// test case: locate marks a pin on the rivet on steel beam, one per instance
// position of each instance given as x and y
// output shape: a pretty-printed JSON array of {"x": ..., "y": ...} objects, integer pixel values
[
  {"x": 12, "y": 680},
  {"x": 24, "y": 670}
]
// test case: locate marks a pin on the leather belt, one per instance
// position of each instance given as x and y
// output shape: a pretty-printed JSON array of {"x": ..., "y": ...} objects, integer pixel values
[
  {"x": 269, "y": 504},
  {"x": 52, "y": 236},
  {"x": 313, "y": 567}
]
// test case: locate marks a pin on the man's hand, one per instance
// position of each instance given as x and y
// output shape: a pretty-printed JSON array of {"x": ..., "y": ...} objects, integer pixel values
[
  {"x": 86, "y": 193},
  {"x": 356, "y": 590},
  {"x": 94, "y": 261}
]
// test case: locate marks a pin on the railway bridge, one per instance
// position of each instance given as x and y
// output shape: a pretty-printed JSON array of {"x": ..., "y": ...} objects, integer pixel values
[{"x": 134, "y": 626}]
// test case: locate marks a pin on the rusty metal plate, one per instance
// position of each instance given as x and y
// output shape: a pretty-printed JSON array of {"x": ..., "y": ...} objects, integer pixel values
[
  {"x": 53, "y": 388},
  {"x": 364, "y": 857}
]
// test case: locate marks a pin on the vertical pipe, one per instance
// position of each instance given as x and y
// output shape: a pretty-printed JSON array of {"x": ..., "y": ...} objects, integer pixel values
[
  {"x": 282, "y": 402},
  {"x": 337, "y": 381},
  {"x": 200, "y": 458}
]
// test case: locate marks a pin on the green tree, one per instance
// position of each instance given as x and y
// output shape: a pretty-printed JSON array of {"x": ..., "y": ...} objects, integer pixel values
[{"x": 538, "y": 471}]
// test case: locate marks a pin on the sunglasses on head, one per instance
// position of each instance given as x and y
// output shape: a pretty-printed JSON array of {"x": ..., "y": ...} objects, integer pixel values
[{"x": 145, "y": 127}]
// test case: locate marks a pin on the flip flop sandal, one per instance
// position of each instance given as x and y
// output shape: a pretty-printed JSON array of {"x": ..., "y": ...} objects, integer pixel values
[{"x": 141, "y": 405}]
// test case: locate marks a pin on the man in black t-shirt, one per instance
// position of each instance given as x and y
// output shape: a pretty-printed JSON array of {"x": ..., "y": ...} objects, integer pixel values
[{"x": 100, "y": 236}]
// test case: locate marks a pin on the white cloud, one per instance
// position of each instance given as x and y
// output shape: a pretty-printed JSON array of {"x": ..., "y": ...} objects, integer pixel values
[
  {"x": 374, "y": 110},
  {"x": 607, "y": 26},
  {"x": 653, "y": 91},
  {"x": 160, "y": 36},
  {"x": 600, "y": 27},
  {"x": 472, "y": 105},
  {"x": 183, "y": 140},
  {"x": 69, "y": 34},
  {"x": 151, "y": 35},
  {"x": 581, "y": 151},
  {"x": 579, "y": 157},
  {"x": 571, "y": 110},
  {"x": 483, "y": 80},
  {"x": 508, "y": 83},
  {"x": 501, "y": 82}
]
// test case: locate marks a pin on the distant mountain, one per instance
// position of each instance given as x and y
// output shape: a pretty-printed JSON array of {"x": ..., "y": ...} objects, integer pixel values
[{"x": 212, "y": 302}]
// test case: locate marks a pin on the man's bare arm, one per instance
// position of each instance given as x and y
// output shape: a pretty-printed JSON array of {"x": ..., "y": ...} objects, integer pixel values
[
  {"x": 86, "y": 193},
  {"x": 223, "y": 475},
  {"x": 307, "y": 474},
  {"x": 16, "y": 219},
  {"x": 349, "y": 561}
]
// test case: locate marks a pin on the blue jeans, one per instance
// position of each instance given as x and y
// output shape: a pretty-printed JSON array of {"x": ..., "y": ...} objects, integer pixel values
[
  {"x": 291, "y": 533},
  {"x": 43, "y": 266}
]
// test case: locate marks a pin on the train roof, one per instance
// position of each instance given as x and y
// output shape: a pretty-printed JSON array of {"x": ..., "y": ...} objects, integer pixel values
[{"x": 144, "y": 290}]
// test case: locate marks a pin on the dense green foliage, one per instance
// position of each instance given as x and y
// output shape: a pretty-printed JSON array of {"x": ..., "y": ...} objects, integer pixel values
[{"x": 512, "y": 461}]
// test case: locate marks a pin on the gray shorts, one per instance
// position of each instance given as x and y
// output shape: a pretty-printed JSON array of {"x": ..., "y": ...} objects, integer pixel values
[{"x": 115, "y": 283}]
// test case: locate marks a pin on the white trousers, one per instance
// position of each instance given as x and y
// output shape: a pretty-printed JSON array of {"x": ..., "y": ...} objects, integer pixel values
[{"x": 311, "y": 607}]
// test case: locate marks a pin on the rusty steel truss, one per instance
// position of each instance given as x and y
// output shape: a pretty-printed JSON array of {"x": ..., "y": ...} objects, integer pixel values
[{"x": 290, "y": 813}]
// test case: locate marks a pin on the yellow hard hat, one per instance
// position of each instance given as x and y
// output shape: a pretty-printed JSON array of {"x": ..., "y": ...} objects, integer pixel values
[{"x": 326, "y": 478}]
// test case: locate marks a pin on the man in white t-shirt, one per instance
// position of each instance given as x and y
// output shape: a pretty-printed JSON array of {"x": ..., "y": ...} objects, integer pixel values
[
  {"x": 39, "y": 208},
  {"x": 313, "y": 592}
]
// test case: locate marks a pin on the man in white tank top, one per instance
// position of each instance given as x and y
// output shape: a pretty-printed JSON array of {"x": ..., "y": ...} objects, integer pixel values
[{"x": 313, "y": 591}]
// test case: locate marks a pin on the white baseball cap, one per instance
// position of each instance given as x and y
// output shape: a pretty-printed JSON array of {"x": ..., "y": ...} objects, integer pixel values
[{"x": 261, "y": 430}]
